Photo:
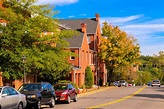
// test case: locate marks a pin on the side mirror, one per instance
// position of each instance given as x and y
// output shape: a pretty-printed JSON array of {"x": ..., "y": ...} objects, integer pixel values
[{"x": 4, "y": 95}]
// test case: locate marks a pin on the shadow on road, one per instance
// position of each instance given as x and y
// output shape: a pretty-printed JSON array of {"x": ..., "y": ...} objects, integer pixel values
[{"x": 161, "y": 96}]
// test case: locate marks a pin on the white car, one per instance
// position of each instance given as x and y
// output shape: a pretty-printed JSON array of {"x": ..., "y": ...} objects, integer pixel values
[
  {"x": 122, "y": 83},
  {"x": 156, "y": 83},
  {"x": 10, "y": 98}
]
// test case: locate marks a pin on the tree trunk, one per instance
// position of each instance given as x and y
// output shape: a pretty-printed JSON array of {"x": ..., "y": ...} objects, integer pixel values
[{"x": 110, "y": 76}]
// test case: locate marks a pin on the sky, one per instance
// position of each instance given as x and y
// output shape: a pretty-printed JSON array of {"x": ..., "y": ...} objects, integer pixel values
[{"x": 143, "y": 19}]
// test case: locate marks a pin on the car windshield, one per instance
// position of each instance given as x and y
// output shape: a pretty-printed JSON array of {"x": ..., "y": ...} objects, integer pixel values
[
  {"x": 156, "y": 81},
  {"x": 60, "y": 87},
  {"x": 30, "y": 87},
  {"x": 122, "y": 81}
]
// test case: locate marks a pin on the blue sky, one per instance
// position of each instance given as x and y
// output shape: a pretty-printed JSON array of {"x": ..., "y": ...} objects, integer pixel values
[{"x": 143, "y": 19}]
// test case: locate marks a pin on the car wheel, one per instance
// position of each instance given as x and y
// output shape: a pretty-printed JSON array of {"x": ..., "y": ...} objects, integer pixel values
[
  {"x": 38, "y": 104},
  {"x": 20, "y": 106},
  {"x": 52, "y": 102},
  {"x": 68, "y": 100},
  {"x": 75, "y": 98}
]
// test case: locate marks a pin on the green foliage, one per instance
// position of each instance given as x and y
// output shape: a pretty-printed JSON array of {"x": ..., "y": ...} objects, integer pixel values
[
  {"x": 153, "y": 65},
  {"x": 22, "y": 35},
  {"x": 107, "y": 84},
  {"x": 88, "y": 77},
  {"x": 144, "y": 77}
]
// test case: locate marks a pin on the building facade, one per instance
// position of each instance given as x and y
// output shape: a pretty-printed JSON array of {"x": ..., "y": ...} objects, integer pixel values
[{"x": 85, "y": 45}]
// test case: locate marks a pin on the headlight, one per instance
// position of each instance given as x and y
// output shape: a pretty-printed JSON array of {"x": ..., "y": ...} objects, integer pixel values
[
  {"x": 31, "y": 96},
  {"x": 64, "y": 93}
]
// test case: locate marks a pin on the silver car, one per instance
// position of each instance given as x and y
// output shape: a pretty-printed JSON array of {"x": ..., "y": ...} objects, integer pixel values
[
  {"x": 10, "y": 98},
  {"x": 122, "y": 83},
  {"x": 156, "y": 83}
]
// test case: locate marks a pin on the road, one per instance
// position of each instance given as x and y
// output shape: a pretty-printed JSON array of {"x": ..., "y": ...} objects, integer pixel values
[{"x": 138, "y": 97}]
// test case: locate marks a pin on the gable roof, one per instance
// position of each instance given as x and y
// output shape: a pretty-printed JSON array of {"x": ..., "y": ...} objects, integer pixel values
[{"x": 75, "y": 24}]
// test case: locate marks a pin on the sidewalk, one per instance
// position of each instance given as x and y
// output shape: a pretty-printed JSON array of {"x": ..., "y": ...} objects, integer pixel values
[{"x": 94, "y": 90}]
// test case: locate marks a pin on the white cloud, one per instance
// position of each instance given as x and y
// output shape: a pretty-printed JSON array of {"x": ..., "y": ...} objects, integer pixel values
[
  {"x": 120, "y": 19},
  {"x": 57, "y": 2},
  {"x": 151, "y": 49},
  {"x": 71, "y": 16},
  {"x": 148, "y": 32},
  {"x": 82, "y": 15}
]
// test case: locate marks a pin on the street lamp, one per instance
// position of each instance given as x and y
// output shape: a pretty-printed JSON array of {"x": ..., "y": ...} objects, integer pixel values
[{"x": 24, "y": 73}]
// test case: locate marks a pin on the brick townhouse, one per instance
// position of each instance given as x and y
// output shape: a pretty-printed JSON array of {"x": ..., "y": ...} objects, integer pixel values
[{"x": 85, "y": 45}]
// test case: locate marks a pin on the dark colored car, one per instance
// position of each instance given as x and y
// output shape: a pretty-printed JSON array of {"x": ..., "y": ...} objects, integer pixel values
[
  {"x": 65, "y": 92},
  {"x": 149, "y": 84},
  {"x": 38, "y": 94},
  {"x": 10, "y": 98},
  {"x": 115, "y": 83}
]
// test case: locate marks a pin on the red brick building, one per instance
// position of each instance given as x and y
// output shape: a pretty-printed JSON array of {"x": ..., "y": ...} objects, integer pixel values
[{"x": 85, "y": 45}]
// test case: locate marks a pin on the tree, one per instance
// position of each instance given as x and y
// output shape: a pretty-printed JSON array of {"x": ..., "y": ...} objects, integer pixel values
[
  {"x": 117, "y": 48},
  {"x": 88, "y": 77},
  {"x": 24, "y": 34}
]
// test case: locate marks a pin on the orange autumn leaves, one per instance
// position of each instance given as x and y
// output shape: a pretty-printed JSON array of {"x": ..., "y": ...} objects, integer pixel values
[{"x": 117, "y": 46}]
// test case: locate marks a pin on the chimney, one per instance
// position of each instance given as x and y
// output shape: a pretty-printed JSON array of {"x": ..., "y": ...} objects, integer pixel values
[
  {"x": 83, "y": 27},
  {"x": 97, "y": 17}
]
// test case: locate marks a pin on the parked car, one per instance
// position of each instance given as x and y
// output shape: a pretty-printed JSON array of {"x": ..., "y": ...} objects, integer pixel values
[
  {"x": 156, "y": 83},
  {"x": 10, "y": 98},
  {"x": 115, "y": 83},
  {"x": 122, "y": 83},
  {"x": 149, "y": 84},
  {"x": 38, "y": 94},
  {"x": 65, "y": 92}
]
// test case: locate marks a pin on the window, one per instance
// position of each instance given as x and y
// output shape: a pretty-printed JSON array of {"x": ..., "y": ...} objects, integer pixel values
[
  {"x": 90, "y": 59},
  {"x": 44, "y": 87},
  {"x": 83, "y": 55},
  {"x": 50, "y": 87},
  {"x": 70, "y": 86},
  {"x": 5, "y": 91},
  {"x": 12, "y": 91},
  {"x": 89, "y": 39},
  {"x": 87, "y": 55},
  {"x": 72, "y": 57}
]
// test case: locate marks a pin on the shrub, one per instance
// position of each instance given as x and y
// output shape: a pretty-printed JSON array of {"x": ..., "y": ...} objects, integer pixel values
[{"x": 88, "y": 77}]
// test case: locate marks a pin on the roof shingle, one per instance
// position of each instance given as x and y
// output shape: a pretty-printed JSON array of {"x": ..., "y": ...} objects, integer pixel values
[{"x": 75, "y": 24}]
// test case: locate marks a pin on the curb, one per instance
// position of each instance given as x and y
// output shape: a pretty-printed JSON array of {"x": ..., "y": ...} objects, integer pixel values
[{"x": 94, "y": 91}]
